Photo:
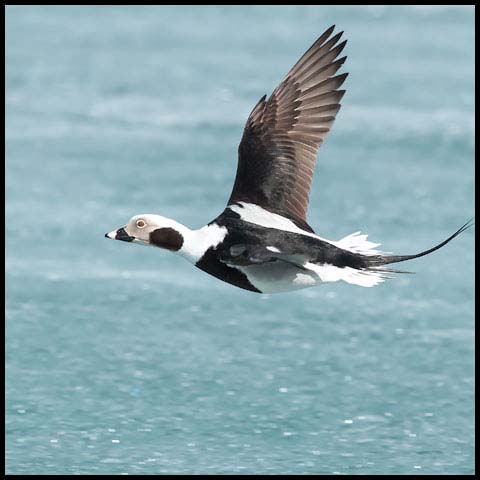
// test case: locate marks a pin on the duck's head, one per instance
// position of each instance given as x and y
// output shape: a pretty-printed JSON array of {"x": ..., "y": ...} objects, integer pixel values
[{"x": 148, "y": 229}]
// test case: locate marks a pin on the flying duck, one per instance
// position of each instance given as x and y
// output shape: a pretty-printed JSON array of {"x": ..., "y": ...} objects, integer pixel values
[{"x": 262, "y": 242}]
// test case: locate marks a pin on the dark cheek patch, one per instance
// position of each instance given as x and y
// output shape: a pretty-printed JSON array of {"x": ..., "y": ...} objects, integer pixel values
[{"x": 167, "y": 238}]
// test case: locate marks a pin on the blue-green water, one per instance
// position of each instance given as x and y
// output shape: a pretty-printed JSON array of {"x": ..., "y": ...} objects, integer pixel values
[{"x": 123, "y": 359}]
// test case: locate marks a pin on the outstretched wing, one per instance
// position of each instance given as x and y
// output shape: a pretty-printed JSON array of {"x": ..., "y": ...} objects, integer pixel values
[{"x": 279, "y": 146}]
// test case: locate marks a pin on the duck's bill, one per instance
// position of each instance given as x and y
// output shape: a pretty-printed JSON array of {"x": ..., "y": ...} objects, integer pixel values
[{"x": 120, "y": 234}]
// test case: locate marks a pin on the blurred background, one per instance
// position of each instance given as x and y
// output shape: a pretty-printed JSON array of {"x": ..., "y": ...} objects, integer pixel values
[{"x": 122, "y": 359}]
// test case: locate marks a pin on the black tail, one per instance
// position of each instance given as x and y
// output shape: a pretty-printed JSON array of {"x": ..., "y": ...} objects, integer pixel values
[{"x": 387, "y": 259}]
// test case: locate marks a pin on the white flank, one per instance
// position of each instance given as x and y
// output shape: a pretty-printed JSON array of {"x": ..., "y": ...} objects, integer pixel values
[
  {"x": 277, "y": 277},
  {"x": 273, "y": 249},
  {"x": 330, "y": 273},
  {"x": 281, "y": 277},
  {"x": 304, "y": 280},
  {"x": 358, "y": 244}
]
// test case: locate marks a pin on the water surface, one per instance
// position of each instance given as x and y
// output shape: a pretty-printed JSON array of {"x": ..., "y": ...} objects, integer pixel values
[{"x": 123, "y": 359}]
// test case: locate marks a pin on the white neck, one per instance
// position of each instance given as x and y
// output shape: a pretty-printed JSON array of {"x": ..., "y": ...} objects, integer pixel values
[{"x": 197, "y": 242}]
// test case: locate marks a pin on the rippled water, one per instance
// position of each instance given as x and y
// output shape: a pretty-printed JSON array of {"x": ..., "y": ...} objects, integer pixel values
[{"x": 127, "y": 360}]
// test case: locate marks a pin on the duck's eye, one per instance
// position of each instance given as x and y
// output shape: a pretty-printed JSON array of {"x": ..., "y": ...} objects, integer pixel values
[{"x": 140, "y": 223}]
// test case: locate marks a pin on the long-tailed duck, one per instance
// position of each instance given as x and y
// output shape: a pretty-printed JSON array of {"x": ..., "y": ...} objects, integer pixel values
[{"x": 262, "y": 242}]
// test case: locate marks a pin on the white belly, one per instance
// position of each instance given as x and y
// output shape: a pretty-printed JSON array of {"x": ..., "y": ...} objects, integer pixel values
[
  {"x": 279, "y": 277},
  {"x": 282, "y": 277}
]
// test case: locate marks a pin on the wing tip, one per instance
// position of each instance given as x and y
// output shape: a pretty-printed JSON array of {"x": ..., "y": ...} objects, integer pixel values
[
  {"x": 329, "y": 30},
  {"x": 342, "y": 77}
]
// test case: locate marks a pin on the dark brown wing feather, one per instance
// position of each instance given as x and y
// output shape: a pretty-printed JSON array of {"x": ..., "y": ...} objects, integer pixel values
[{"x": 279, "y": 146}]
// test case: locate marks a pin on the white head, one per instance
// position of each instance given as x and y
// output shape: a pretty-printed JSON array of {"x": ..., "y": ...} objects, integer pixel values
[{"x": 148, "y": 229}]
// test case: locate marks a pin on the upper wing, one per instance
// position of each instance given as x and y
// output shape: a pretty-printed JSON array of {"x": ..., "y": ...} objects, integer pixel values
[{"x": 279, "y": 146}]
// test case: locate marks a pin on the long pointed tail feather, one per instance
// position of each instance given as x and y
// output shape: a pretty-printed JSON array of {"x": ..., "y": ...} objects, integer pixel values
[{"x": 378, "y": 261}]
